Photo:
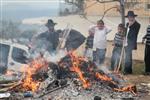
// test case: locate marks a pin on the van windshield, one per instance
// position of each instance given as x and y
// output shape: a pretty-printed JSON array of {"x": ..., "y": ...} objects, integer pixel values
[
  {"x": 19, "y": 55},
  {"x": 4, "y": 53}
]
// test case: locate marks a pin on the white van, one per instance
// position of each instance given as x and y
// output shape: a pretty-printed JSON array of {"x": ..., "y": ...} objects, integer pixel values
[{"x": 12, "y": 55}]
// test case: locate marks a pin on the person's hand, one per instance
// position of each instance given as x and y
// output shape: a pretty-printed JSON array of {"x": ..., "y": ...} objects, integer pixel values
[
  {"x": 94, "y": 49},
  {"x": 125, "y": 43},
  {"x": 143, "y": 40},
  {"x": 113, "y": 44},
  {"x": 131, "y": 22},
  {"x": 86, "y": 47}
]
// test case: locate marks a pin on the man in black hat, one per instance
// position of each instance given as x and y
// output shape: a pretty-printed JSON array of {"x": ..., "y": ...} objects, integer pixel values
[
  {"x": 133, "y": 28},
  {"x": 51, "y": 36}
]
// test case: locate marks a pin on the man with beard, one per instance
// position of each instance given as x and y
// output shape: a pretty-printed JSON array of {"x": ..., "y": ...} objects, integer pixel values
[{"x": 133, "y": 28}]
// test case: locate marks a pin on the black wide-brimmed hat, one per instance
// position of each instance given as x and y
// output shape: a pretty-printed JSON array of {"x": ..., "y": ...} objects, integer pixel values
[
  {"x": 131, "y": 13},
  {"x": 50, "y": 23}
]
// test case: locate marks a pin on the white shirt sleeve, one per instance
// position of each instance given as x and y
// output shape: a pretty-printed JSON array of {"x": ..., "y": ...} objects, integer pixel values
[
  {"x": 92, "y": 28},
  {"x": 108, "y": 29},
  {"x": 94, "y": 44},
  {"x": 94, "y": 40}
]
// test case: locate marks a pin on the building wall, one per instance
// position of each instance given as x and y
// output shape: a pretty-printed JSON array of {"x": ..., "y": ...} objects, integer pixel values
[{"x": 140, "y": 7}]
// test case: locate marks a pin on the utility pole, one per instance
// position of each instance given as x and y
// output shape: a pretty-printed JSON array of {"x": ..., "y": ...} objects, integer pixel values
[{"x": 122, "y": 12}]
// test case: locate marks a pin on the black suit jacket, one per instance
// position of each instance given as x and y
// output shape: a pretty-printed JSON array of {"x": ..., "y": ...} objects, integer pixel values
[
  {"x": 132, "y": 35},
  {"x": 52, "y": 38},
  {"x": 74, "y": 40}
]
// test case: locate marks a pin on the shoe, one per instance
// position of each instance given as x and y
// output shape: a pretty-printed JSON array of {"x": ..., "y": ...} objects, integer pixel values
[
  {"x": 127, "y": 73},
  {"x": 147, "y": 73}
]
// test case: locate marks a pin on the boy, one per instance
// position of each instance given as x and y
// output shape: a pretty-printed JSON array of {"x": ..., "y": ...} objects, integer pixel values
[
  {"x": 89, "y": 44},
  {"x": 100, "y": 41},
  {"x": 147, "y": 50},
  {"x": 118, "y": 44}
]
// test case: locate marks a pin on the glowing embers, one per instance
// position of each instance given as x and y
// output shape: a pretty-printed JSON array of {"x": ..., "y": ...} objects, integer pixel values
[
  {"x": 76, "y": 68},
  {"x": 28, "y": 83},
  {"x": 104, "y": 77},
  {"x": 129, "y": 88}
]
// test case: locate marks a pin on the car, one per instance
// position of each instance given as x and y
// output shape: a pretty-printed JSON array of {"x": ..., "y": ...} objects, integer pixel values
[{"x": 12, "y": 55}]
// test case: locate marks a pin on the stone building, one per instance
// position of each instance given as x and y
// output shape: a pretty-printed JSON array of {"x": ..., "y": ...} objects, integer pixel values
[{"x": 140, "y": 7}]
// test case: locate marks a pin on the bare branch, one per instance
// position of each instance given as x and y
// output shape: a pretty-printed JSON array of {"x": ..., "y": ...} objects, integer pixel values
[
  {"x": 108, "y": 10},
  {"x": 106, "y": 1}
]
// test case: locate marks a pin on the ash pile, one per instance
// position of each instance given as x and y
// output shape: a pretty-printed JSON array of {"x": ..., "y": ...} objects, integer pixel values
[{"x": 71, "y": 78}]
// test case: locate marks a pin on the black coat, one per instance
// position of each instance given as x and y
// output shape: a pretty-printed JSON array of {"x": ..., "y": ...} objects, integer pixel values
[
  {"x": 132, "y": 35},
  {"x": 74, "y": 40},
  {"x": 51, "y": 40}
]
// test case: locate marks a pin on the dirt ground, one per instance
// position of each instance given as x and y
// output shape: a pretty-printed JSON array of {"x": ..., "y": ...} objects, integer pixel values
[
  {"x": 142, "y": 83},
  {"x": 140, "y": 80}
]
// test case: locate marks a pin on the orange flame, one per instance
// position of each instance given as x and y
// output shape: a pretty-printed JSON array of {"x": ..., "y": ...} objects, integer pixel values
[
  {"x": 75, "y": 67},
  {"x": 31, "y": 69},
  {"x": 104, "y": 77},
  {"x": 131, "y": 88},
  {"x": 78, "y": 71}
]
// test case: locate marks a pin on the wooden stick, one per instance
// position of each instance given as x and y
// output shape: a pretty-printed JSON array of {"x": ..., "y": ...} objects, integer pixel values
[
  {"x": 7, "y": 85},
  {"x": 45, "y": 93},
  {"x": 10, "y": 87},
  {"x": 8, "y": 81},
  {"x": 64, "y": 37},
  {"x": 121, "y": 56}
]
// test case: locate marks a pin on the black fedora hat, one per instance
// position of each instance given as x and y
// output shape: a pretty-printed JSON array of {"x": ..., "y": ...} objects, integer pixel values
[
  {"x": 131, "y": 13},
  {"x": 50, "y": 22}
]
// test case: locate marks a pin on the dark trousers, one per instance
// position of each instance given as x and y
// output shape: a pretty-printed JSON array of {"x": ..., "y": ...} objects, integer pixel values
[
  {"x": 128, "y": 60},
  {"x": 94, "y": 56},
  {"x": 147, "y": 58},
  {"x": 115, "y": 57}
]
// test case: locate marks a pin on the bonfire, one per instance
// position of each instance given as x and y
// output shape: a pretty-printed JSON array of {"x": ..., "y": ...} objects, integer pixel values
[{"x": 56, "y": 76}]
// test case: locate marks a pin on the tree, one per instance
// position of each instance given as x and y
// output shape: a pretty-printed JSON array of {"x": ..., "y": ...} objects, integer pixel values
[
  {"x": 80, "y": 5},
  {"x": 122, "y": 8}
]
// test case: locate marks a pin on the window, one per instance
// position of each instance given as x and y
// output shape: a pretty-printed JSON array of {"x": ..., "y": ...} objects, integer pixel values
[
  {"x": 19, "y": 55},
  {"x": 148, "y": 6},
  {"x": 4, "y": 52},
  {"x": 132, "y": 4}
]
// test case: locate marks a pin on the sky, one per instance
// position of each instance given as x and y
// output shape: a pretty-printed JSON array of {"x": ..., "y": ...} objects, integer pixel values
[
  {"x": 28, "y": 8},
  {"x": 17, "y": 1},
  {"x": 53, "y": 3},
  {"x": 15, "y": 4}
]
